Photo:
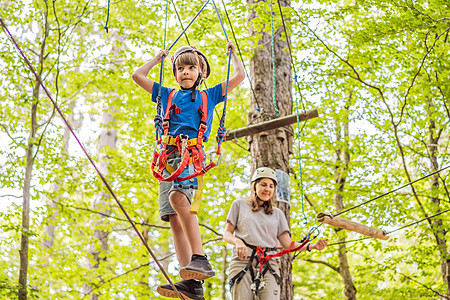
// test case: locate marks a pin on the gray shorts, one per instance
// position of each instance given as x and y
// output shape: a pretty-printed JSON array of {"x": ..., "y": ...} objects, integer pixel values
[{"x": 166, "y": 187}]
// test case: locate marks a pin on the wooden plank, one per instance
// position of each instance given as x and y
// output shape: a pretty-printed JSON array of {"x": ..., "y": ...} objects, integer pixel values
[
  {"x": 272, "y": 124},
  {"x": 352, "y": 226}
]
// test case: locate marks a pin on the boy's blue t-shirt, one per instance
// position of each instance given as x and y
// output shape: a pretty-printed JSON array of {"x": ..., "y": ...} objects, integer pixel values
[{"x": 188, "y": 120}]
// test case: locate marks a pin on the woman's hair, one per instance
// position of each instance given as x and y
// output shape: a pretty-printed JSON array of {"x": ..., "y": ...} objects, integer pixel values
[
  {"x": 189, "y": 58},
  {"x": 267, "y": 205}
]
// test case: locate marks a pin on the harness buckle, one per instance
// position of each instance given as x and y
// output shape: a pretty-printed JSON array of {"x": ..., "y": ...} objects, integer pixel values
[
  {"x": 184, "y": 142},
  {"x": 257, "y": 285}
]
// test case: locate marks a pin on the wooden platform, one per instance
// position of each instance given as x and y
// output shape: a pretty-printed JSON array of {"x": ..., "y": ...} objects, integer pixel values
[{"x": 272, "y": 124}]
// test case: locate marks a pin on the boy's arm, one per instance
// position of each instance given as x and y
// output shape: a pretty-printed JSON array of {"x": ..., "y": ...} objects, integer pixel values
[
  {"x": 140, "y": 75},
  {"x": 238, "y": 74}
]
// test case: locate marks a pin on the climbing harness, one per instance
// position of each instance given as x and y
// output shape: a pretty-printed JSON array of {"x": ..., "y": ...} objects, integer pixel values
[
  {"x": 259, "y": 254},
  {"x": 191, "y": 150},
  {"x": 258, "y": 282}
]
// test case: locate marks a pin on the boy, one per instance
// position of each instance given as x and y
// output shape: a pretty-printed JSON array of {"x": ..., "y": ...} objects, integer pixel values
[{"x": 190, "y": 68}]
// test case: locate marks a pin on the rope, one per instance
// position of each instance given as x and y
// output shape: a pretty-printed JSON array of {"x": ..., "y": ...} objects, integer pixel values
[
  {"x": 158, "y": 120},
  {"x": 273, "y": 60},
  {"x": 390, "y": 192},
  {"x": 88, "y": 156},
  {"x": 300, "y": 160},
  {"x": 189, "y": 25},
  {"x": 240, "y": 55},
  {"x": 297, "y": 112},
  {"x": 161, "y": 76},
  {"x": 220, "y": 20},
  {"x": 107, "y": 18},
  {"x": 222, "y": 130},
  {"x": 181, "y": 22}
]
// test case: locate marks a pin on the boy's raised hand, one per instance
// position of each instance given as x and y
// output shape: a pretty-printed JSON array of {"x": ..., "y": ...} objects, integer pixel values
[
  {"x": 160, "y": 55},
  {"x": 233, "y": 48}
]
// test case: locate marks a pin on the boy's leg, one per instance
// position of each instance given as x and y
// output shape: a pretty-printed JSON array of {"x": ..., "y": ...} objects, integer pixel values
[
  {"x": 199, "y": 267},
  {"x": 168, "y": 214},
  {"x": 182, "y": 247},
  {"x": 189, "y": 222}
]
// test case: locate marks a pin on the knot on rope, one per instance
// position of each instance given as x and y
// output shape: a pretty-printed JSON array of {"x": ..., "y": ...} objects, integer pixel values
[
  {"x": 220, "y": 136},
  {"x": 158, "y": 126}
]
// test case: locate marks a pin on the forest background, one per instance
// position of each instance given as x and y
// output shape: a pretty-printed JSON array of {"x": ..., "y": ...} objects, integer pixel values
[{"x": 377, "y": 71}]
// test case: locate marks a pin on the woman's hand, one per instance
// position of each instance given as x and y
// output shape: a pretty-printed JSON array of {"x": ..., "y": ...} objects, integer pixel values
[
  {"x": 320, "y": 245},
  {"x": 241, "y": 249}
]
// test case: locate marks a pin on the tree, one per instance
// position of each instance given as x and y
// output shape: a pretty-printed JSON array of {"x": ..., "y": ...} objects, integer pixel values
[{"x": 262, "y": 146}]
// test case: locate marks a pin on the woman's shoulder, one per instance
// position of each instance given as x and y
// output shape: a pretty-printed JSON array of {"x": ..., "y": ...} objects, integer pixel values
[
  {"x": 240, "y": 202},
  {"x": 278, "y": 211}
]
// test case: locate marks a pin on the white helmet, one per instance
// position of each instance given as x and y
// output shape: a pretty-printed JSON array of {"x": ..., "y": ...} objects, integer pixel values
[{"x": 264, "y": 172}]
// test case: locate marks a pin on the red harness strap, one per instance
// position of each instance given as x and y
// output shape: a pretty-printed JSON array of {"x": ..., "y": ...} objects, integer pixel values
[
  {"x": 264, "y": 259},
  {"x": 186, "y": 151}
]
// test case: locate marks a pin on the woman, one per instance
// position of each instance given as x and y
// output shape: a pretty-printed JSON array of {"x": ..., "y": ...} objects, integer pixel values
[{"x": 256, "y": 223}]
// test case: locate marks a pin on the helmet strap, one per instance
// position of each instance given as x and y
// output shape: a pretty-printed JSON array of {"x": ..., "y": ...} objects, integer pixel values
[{"x": 194, "y": 87}]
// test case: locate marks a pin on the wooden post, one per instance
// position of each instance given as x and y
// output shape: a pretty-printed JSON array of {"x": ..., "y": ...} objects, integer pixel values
[
  {"x": 271, "y": 124},
  {"x": 352, "y": 226}
]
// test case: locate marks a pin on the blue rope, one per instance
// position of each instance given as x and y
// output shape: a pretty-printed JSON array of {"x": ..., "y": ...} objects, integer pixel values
[
  {"x": 158, "y": 118},
  {"x": 220, "y": 20},
  {"x": 192, "y": 21},
  {"x": 107, "y": 19},
  {"x": 222, "y": 130},
  {"x": 161, "y": 77}
]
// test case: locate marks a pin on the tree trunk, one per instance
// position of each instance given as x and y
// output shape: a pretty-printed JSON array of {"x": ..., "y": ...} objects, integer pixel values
[
  {"x": 49, "y": 229},
  {"x": 107, "y": 138},
  {"x": 341, "y": 169},
  {"x": 23, "y": 272},
  {"x": 272, "y": 148},
  {"x": 223, "y": 273},
  {"x": 101, "y": 202},
  {"x": 437, "y": 222}
]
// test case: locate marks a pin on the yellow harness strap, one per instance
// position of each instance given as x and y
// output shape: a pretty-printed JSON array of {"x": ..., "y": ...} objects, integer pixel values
[
  {"x": 195, "y": 206},
  {"x": 170, "y": 140}
]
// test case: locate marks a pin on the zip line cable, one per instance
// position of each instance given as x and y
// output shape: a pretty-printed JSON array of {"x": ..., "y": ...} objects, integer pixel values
[
  {"x": 395, "y": 230},
  {"x": 414, "y": 223},
  {"x": 88, "y": 156},
  {"x": 392, "y": 191}
]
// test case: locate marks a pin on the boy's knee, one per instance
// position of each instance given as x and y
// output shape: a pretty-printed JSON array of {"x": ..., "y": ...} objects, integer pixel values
[{"x": 178, "y": 200}]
